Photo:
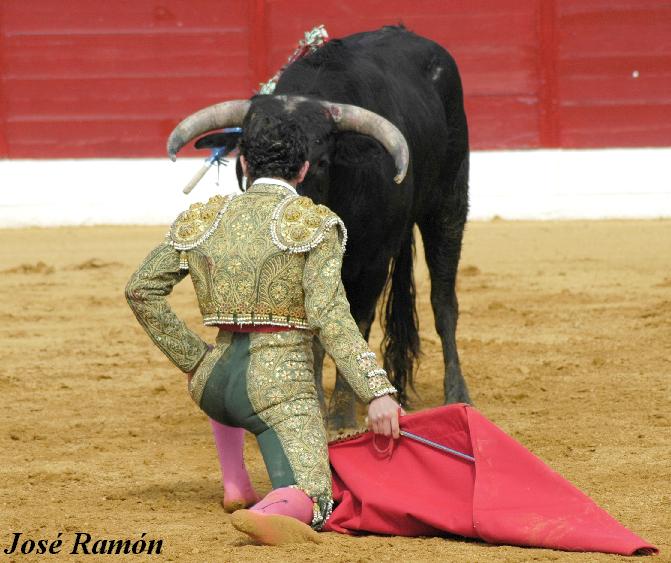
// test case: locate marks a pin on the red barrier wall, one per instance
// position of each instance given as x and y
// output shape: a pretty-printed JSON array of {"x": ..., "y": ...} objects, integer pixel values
[{"x": 83, "y": 79}]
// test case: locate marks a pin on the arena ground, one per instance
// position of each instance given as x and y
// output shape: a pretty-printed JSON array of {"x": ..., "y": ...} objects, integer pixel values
[{"x": 565, "y": 339}]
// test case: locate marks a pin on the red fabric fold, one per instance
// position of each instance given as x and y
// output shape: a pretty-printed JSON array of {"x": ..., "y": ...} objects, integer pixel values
[{"x": 507, "y": 496}]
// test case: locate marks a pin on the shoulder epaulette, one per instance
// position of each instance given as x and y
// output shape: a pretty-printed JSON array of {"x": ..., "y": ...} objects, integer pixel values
[
  {"x": 299, "y": 225},
  {"x": 195, "y": 225}
]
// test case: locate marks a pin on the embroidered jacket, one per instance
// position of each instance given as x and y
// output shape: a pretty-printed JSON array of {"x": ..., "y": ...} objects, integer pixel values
[{"x": 265, "y": 257}]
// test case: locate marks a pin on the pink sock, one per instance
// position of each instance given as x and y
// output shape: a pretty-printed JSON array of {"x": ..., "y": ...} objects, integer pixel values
[
  {"x": 238, "y": 490},
  {"x": 287, "y": 501}
]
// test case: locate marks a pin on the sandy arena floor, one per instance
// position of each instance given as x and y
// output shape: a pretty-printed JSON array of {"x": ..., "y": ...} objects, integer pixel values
[{"x": 564, "y": 335}]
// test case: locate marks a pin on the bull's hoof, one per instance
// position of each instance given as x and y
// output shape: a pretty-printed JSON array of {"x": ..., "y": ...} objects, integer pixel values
[{"x": 273, "y": 529}]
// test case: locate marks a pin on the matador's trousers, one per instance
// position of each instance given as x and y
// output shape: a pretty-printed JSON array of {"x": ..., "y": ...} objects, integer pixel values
[{"x": 264, "y": 383}]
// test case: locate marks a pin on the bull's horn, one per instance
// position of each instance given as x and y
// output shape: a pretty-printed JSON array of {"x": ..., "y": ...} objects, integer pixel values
[
  {"x": 218, "y": 116},
  {"x": 355, "y": 118}
]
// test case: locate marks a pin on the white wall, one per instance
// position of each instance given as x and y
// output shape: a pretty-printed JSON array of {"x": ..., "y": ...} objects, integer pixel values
[
  {"x": 538, "y": 184},
  {"x": 571, "y": 184}
]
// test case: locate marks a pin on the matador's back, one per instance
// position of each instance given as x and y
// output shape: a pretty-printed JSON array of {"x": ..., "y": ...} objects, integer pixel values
[
  {"x": 267, "y": 257},
  {"x": 246, "y": 254}
]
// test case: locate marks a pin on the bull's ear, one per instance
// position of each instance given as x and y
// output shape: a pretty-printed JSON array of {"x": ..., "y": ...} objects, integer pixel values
[
  {"x": 354, "y": 149},
  {"x": 227, "y": 139},
  {"x": 361, "y": 160}
]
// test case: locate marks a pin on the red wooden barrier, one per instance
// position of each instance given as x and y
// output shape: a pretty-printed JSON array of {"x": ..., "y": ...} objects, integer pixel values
[
  {"x": 614, "y": 73},
  {"x": 82, "y": 79}
]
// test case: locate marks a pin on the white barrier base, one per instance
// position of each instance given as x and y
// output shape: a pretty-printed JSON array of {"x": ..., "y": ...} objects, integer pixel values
[
  {"x": 571, "y": 184},
  {"x": 538, "y": 184}
]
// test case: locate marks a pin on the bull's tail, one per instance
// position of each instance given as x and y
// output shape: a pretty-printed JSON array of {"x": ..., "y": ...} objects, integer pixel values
[{"x": 401, "y": 344}]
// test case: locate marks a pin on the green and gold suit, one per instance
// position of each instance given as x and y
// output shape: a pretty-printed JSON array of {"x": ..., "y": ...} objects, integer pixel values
[{"x": 267, "y": 257}]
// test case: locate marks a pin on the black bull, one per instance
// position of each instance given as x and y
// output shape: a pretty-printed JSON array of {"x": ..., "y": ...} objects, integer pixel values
[{"x": 414, "y": 83}]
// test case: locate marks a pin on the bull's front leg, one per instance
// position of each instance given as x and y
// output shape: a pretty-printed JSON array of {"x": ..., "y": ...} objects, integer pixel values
[
  {"x": 342, "y": 407},
  {"x": 341, "y": 411}
]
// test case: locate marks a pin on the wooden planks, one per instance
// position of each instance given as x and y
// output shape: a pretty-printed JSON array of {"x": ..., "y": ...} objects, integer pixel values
[
  {"x": 82, "y": 79},
  {"x": 614, "y": 73},
  {"x": 493, "y": 41}
]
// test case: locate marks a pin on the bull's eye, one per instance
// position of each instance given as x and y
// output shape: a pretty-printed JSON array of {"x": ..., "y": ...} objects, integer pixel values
[{"x": 318, "y": 141}]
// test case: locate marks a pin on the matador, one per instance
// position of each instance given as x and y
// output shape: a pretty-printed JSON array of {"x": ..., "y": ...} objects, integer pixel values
[{"x": 265, "y": 266}]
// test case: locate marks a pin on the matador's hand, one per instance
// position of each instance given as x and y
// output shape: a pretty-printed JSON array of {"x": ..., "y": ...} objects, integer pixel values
[{"x": 383, "y": 414}]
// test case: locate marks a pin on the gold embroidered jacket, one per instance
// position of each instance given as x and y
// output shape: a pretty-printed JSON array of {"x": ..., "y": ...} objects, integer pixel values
[{"x": 265, "y": 257}]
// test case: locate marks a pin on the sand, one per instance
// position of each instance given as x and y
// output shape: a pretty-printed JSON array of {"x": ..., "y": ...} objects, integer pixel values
[{"x": 564, "y": 336}]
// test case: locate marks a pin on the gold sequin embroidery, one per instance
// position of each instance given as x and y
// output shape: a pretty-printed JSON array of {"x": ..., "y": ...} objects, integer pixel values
[
  {"x": 239, "y": 274},
  {"x": 281, "y": 389},
  {"x": 299, "y": 225}
]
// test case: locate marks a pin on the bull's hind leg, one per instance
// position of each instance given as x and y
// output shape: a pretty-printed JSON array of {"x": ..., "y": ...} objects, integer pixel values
[{"x": 442, "y": 235}]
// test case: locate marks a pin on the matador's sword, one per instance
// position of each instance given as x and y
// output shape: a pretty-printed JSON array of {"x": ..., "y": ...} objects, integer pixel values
[{"x": 436, "y": 445}]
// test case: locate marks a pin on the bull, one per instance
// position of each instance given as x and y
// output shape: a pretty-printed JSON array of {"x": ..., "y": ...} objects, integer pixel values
[{"x": 415, "y": 132}]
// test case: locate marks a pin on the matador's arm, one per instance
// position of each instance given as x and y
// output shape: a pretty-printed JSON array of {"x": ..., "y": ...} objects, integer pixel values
[
  {"x": 328, "y": 313},
  {"x": 146, "y": 294}
]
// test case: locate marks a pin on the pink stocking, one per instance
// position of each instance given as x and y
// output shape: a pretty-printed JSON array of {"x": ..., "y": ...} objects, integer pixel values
[
  {"x": 286, "y": 501},
  {"x": 282, "y": 517},
  {"x": 238, "y": 490}
]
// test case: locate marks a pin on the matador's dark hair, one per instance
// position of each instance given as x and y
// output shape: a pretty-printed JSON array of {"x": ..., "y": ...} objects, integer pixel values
[{"x": 273, "y": 144}]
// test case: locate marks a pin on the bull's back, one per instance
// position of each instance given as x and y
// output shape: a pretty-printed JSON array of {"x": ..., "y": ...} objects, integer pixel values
[
  {"x": 409, "y": 79},
  {"x": 391, "y": 71}
]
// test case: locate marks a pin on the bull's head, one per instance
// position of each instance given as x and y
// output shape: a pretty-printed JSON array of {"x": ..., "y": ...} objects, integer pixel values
[{"x": 321, "y": 120}]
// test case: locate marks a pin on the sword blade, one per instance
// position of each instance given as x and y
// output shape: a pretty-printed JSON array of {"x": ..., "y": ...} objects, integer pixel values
[{"x": 436, "y": 445}]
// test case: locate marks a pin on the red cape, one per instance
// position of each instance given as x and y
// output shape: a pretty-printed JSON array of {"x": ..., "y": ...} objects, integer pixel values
[{"x": 507, "y": 496}]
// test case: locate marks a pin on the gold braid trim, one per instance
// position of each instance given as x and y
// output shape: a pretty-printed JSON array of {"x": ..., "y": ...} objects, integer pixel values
[
  {"x": 195, "y": 225},
  {"x": 337, "y": 437},
  {"x": 298, "y": 224}
]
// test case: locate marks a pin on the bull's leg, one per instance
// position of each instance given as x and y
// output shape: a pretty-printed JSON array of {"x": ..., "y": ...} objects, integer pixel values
[
  {"x": 442, "y": 250},
  {"x": 442, "y": 234},
  {"x": 341, "y": 411},
  {"x": 342, "y": 406}
]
